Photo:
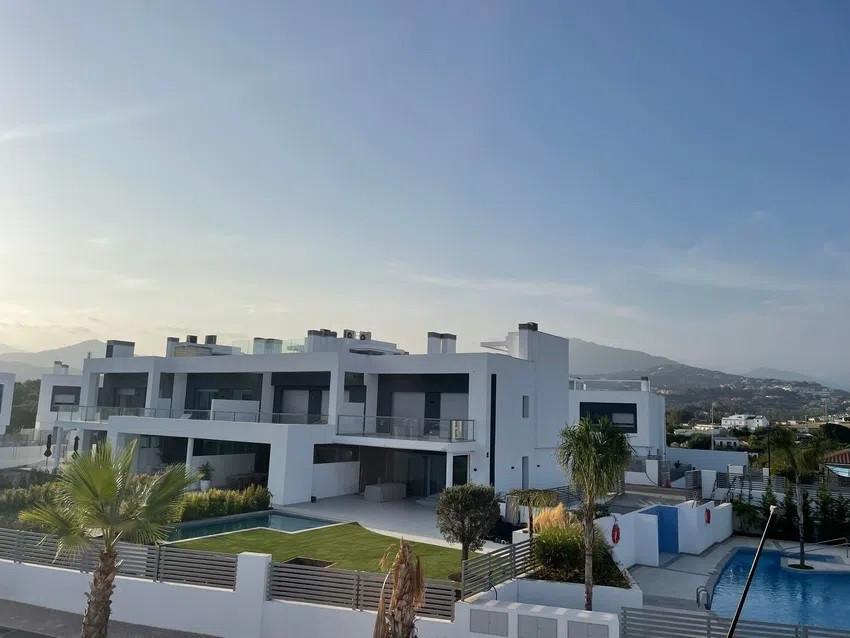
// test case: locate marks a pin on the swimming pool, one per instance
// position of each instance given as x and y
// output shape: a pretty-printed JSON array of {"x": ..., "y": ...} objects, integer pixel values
[
  {"x": 272, "y": 520},
  {"x": 782, "y": 595}
]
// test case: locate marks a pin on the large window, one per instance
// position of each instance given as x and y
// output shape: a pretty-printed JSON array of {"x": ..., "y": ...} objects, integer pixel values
[
  {"x": 622, "y": 415},
  {"x": 332, "y": 453}
]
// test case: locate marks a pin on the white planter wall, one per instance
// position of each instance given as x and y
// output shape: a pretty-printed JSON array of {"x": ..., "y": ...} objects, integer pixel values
[{"x": 336, "y": 479}]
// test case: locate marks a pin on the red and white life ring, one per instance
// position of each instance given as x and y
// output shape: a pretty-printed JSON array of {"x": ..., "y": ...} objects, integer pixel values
[
  {"x": 707, "y": 516},
  {"x": 615, "y": 534}
]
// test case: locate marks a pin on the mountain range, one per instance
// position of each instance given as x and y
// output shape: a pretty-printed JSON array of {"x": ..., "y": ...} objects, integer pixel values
[{"x": 31, "y": 365}]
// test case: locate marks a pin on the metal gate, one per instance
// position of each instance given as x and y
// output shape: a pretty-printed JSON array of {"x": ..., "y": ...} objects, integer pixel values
[{"x": 674, "y": 623}]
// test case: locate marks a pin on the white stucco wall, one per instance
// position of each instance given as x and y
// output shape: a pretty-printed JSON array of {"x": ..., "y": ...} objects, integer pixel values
[
  {"x": 638, "y": 538},
  {"x": 224, "y": 466},
  {"x": 695, "y": 534},
  {"x": 651, "y": 407},
  {"x": 336, "y": 479}
]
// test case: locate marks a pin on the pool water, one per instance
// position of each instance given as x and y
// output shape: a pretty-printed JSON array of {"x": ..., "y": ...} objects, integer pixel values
[
  {"x": 272, "y": 520},
  {"x": 781, "y": 595}
]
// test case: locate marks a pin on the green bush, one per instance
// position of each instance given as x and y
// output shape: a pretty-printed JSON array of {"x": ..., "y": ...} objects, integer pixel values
[
  {"x": 16, "y": 499},
  {"x": 212, "y": 503},
  {"x": 560, "y": 553}
]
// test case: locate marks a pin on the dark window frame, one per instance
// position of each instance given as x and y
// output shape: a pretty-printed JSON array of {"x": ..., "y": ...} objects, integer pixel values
[{"x": 596, "y": 410}]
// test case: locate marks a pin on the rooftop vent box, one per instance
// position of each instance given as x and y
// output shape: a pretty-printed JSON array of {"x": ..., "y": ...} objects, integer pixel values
[
  {"x": 349, "y": 334},
  {"x": 365, "y": 336},
  {"x": 116, "y": 348},
  {"x": 191, "y": 338},
  {"x": 210, "y": 340}
]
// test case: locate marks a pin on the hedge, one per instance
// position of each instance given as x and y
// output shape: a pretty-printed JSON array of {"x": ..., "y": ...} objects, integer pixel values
[{"x": 199, "y": 505}]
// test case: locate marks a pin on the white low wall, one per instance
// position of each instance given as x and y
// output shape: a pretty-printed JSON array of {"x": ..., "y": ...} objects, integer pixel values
[
  {"x": 638, "y": 478},
  {"x": 20, "y": 456},
  {"x": 638, "y": 543},
  {"x": 504, "y": 616},
  {"x": 717, "y": 460},
  {"x": 336, "y": 479},
  {"x": 695, "y": 534}
]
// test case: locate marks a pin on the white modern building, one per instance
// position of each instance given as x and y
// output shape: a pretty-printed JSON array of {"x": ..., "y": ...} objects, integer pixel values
[
  {"x": 59, "y": 391},
  {"x": 7, "y": 390},
  {"x": 749, "y": 421},
  {"x": 628, "y": 404},
  {"x": 331, "y": 415}
]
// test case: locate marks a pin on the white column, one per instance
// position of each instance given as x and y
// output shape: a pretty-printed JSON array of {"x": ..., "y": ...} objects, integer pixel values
[
  {"x": 152, "y": 394},
  {"x": 266, "y": 398},
  {"x": 337, "y": 392},
  {"x": 178, "y": 394},
  {"x": 190, "y": 451},
  {"x": 88, "y": 391},
  {"x": 449, "y": 469}
]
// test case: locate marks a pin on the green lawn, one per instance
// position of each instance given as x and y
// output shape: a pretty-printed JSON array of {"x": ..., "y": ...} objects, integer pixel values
[{"x": 349, "y": 546}]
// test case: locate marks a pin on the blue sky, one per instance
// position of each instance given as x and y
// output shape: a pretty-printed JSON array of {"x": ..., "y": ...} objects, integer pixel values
[{"x": 666, "y": 176}]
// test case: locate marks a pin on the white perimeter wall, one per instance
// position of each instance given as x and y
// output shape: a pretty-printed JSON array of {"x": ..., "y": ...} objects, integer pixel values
[
  {"x": 20, "y": 456},
  {"x": 695, "y": 535},
  {"x": 242, "y": 613},
  {"x": 717, "y": 460},
  {"x": 336, "y": 479},
  {"x": 638, "y": 538}
]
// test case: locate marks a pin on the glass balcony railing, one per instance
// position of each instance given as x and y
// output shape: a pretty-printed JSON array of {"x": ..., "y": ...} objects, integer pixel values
[
  {"x": 101, "y": 414},
  {"x": 396, "y": 427}
]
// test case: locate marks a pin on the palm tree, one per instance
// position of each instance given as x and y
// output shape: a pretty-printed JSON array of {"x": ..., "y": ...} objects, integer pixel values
[
  {"x": 595, "y": 455},
  {"x": 532, "y": 498},
  {"x": 97, "y": 503},
  {"x": 800, "y": 460},
  {"x": 408, "y": 593}
]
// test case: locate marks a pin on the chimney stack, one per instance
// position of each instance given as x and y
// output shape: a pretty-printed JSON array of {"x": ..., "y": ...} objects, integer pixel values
[
  {"x": 448, "y": 342},
  {"x": 435, "y": 343}
]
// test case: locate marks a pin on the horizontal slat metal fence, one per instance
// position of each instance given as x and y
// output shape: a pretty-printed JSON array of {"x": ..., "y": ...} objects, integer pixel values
[
  {"x": 350, "y": 589},
  {"x": 162, "y": 563},
  {"x": 483, "y": 572},
  {"x": 668, "y": 623}
]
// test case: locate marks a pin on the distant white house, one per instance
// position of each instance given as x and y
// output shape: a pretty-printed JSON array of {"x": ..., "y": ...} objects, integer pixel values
[
  {"x": 7, "y": 389},
  {"x": 749, "y": 421},
  {"x": 728, "y": 442},
  {"x": 59, "y": 391},
  {"x": 707, "y": 428}
]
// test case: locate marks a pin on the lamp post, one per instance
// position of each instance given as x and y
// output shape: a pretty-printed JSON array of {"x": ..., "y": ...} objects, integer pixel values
[{"x": 750, "y": 575}]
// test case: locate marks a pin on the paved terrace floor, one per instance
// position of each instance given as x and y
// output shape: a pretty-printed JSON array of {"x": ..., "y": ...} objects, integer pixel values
[
  {"x": 28, "y": 621},
  {"x": 674, "y": 583},
  {"x": 404, "y": 518}
]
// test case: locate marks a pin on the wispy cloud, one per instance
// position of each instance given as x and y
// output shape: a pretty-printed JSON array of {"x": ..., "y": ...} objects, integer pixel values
[
  {"x": 513, "y": 287},
  {"x": 76, "y": 124},
  {"x": 580, "y": 296}
]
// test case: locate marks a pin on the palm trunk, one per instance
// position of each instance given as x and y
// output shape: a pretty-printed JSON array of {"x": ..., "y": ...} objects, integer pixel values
[
  {"x": 530, "y": 522},
  {"x": 801, "y": 524},
  {"x": 96, "y": 618},
  {"x": 588, "y": 560}
]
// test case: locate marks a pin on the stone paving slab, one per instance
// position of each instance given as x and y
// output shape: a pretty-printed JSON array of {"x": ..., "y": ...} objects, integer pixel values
[{"x": 28, "y": 621}]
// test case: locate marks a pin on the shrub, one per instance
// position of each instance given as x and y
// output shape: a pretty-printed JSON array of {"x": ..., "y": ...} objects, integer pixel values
[
  {"x": 549, "y": 517},
  {"x": 560, "y": 553},
  {"x": 212, "y": 503},
  {"x": 16, "y": 499}
]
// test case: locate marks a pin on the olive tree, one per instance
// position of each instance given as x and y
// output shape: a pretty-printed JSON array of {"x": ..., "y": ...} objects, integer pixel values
[{"x": 465, "y": 513}]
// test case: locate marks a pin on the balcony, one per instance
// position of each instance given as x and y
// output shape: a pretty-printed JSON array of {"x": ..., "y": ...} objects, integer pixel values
[
  {"x": 397, "y": 427},
  {"x": 101, "y": 414}
]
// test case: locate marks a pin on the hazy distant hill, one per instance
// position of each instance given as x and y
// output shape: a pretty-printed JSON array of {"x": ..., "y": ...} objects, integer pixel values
[
  {"x": 588, "y": 358},
  {"x": 31, "y": 365}
]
